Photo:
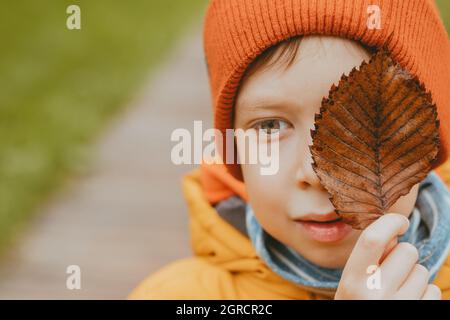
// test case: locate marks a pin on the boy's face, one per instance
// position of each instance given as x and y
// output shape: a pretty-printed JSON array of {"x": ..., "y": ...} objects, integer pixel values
[{"x": 287, "y": 100}]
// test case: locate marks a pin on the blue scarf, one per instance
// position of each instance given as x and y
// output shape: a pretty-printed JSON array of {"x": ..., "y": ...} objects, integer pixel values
[{"x": 429, "y": 232}]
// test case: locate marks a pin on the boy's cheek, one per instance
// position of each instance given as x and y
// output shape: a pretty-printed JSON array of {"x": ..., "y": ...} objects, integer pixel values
[
  {"x": 405, "y": 204},
  {"x": 272, "y": 189},
  {"x": 267, "y": 194},
  {"x": 265, "y": 191}
]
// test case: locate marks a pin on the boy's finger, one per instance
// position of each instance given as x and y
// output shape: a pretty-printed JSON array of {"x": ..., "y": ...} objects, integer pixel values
[
  {"x": 399, "y": 265},
  {"x": 432, "y": 293},
  {"x": 415, "y": 285},
  {"x": 373, "y": 241},
  {"x": 391, "y": 245}
]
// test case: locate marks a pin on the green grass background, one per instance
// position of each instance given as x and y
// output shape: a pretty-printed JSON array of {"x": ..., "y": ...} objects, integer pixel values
[
  {"x": 58, "y": 88},
  {"x": 444, "y": 8}
]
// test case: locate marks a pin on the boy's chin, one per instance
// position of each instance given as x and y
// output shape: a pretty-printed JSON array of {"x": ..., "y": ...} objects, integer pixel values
[{"x": 329, "y": 255}]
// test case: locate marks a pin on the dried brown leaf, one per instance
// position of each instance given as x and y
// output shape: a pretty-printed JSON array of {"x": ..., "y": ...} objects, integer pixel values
[{"x": 376, "y": 137}]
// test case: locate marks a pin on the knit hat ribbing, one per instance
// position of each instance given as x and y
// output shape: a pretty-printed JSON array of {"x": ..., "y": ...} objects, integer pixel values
[{"x": 237, "y": 31}]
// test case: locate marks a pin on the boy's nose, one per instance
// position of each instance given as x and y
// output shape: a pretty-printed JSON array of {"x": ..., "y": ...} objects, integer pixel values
[
  {"x": 308, "y": 179},
  {"x": 305, "y": 176}
]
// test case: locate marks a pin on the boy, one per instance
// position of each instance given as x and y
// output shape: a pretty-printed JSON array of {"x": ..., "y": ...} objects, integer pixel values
[{"x": 277, "y": 236}]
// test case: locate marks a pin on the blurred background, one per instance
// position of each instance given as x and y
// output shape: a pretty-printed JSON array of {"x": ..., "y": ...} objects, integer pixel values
[{"x": 85, "y": 121}]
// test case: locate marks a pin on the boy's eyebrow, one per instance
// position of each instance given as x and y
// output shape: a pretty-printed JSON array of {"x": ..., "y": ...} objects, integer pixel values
[{"x": 264, "y": 104}]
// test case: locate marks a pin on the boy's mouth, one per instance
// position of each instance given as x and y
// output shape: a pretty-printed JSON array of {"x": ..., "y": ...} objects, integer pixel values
[{"x": 323, "y": 227}]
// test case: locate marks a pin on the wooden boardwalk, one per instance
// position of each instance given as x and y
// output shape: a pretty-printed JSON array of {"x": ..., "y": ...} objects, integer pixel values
[{"x": 126, "y": 216}]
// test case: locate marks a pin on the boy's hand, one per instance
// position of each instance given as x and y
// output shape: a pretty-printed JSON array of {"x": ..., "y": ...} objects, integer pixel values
[{"x": 399, "y": 274}]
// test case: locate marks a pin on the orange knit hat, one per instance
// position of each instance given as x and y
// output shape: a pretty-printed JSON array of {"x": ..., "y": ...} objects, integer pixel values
[{"x": 237, "y": 31}]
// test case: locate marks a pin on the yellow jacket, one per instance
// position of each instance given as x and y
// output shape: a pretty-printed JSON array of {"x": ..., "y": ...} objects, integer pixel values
[{"x": 225, "y": 265}]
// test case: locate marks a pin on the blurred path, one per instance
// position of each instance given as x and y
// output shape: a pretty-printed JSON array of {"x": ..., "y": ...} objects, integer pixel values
[{"x": 126, "y": 217}]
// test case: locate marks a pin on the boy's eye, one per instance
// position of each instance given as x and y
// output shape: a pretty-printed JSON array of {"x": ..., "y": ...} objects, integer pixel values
[{"x": 271, "y": 126}]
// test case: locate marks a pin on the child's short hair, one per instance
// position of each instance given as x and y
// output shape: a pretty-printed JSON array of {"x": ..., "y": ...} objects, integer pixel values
[{"x": 282, "y": 54}]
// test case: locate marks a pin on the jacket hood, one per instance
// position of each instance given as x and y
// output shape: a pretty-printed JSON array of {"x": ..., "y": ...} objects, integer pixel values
[{"x": 212, "y": 237}]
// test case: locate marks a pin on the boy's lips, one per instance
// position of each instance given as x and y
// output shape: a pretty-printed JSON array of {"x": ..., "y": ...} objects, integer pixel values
[
  {"x": 324, "y": 227},
  {"x": 319, "y": 217}
]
